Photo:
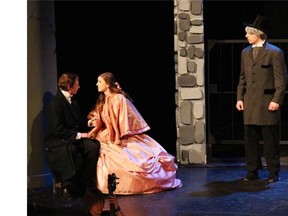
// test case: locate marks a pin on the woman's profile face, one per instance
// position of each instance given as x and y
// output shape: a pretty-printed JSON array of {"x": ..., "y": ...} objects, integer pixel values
[{"x": 102, "y": 85}]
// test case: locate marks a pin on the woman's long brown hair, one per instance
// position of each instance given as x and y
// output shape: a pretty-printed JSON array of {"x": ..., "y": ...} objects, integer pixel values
[{"x": 114, "y": 87}]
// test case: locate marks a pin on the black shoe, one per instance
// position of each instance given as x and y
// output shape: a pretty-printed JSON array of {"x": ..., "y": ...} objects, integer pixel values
[
  {"x": 251, "y": 177},
  {"x": 273, "y": 178},
  {"x": 67, "y": 194}
]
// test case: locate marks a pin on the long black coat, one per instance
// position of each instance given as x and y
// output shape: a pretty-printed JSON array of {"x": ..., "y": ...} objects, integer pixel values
[
  {"x": 261, "y": 81},
  {"x": 64, "y": 121}
]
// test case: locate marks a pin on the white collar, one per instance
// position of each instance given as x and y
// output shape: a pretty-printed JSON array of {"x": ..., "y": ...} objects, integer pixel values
[
  {"x": 259, "y": 45},
  {"x": 67, "y": 95}
]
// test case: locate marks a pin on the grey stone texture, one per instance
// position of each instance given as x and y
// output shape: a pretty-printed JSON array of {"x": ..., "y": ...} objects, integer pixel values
[
  {"x": 186, "y": 134},
  {"x": 184, "y": 23},
  {"x": 183, "y": 52},
  {"x": 186, "y": 80},
  {"x": 197, "y": 22},
  {"x": 196, "y": 7},
  {"x": 185, "y": 112},
  {"x": 190, "y": 81},
  {"x": 199, "y": 132},
  {"x": 191, "y": 66},
  {"x": 191, "y": 51},
  {"x": 199, "y": 53},
  {"x": 195, "y": 38},
  {"x": 182, "y": 35}
]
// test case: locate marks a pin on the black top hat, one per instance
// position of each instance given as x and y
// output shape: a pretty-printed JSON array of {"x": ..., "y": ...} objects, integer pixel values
[{"x": 260, "y": 23}]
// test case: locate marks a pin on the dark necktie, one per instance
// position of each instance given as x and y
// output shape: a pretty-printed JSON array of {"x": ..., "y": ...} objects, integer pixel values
[{"x": 256, "y": 51}]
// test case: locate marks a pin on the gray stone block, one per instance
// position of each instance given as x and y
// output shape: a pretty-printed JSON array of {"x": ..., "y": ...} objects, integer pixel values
[
  {"x": 196, "y": 7},
  {"x": 191, "y": 66},
  {"x": 175, "y": 27},
  {"x": 197, "y": 22},
  {"x": 177, "y": 97},
  {"x": 191, "y": 51},
  {"x": 199, "y": 132},
  {"x": 184, "y": 25},
  {"x": 199, "y": 53},
  {"x": 186, "y": 134},
  {"x": 186, "y": 80},
  {"x": 185, "y": 113},
  {"x": 195, "y": 38},
  {"x": 184, "y": 155},
  {"x": 195, "y": 157},
  {"x": 182, "y": 35},
  {"x": 176, "y": 58},
  {"x": 184, "y": 16},
  {"x": 183, "y": 52}
]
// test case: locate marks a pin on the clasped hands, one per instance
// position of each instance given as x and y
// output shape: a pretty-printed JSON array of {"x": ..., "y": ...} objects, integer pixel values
[
  {"x": 96, "y": 122},
  {"x": 114, "y": 140},
  {"x": 117, "y": 142},
  {"x": 93, "y": 133}
]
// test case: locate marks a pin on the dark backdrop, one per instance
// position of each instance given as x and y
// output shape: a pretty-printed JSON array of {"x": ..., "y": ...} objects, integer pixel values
[
  {"x": 224, "y": 19},
  {"x": 132, "y": 39},
  {"x": 135, "y": 41}
]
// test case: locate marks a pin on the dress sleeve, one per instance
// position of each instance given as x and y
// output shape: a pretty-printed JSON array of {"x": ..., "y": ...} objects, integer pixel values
[
  {"x": 112, "y": 126},
  {"x": 94, "y": 120},
  {"x": 127, "y": 118}
]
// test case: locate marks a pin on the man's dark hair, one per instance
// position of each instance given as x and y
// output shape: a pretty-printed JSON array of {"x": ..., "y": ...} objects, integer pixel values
[{"x": 67, "y": 80}]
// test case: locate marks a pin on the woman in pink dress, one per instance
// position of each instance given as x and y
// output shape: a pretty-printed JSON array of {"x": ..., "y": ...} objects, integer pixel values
[{"x": 142, "y": 165}]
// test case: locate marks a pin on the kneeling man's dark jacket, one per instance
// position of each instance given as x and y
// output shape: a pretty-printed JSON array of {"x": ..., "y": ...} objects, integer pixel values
[{"x": 64, "y": 121}]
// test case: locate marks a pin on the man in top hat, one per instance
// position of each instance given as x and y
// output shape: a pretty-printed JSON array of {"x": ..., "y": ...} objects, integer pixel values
[{"x": 260, "y": 93}]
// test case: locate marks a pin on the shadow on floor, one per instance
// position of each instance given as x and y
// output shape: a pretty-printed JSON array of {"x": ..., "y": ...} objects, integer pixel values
[{"x": 224, "y": 188}]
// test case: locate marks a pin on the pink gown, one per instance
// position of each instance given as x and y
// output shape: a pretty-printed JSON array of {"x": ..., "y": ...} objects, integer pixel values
[{"x": 142, "y": 165}]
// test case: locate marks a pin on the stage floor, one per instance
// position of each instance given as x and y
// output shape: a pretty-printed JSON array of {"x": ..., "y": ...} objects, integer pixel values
[{"x": 210, "y": 190}]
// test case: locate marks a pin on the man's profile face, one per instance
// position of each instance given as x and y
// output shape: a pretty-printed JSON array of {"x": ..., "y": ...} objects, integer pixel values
[
  {"x": 252, "y": 38},
  {"x": 74, "y": 89}
]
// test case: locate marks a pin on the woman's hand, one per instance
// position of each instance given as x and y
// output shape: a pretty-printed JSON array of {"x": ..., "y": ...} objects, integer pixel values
[
  {"x": 92, "y": 133},
  {"x": 85, "y": 135},
  {"x": 117, "y": 142},
  {"x": 91, "y": 115}
]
